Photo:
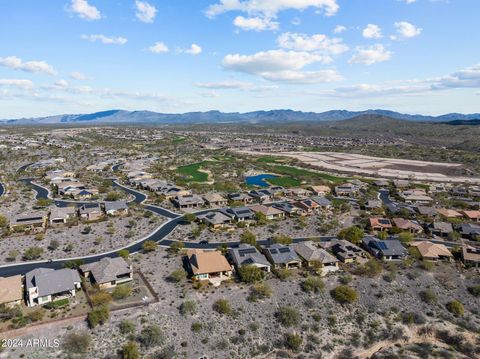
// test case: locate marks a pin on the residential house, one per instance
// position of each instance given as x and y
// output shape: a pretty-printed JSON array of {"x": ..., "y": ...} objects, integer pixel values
[
  {"x": 215, "y": 219},
  {"x": 387, "y": 250},
  {"x": 320, "y": 190},
  {"x": 65, "y": 187},
  {"x": 471, "y": 231},
  {"x": 346, "y": 190},
  {"x": 11, "y": 291},
  {"x": 288, "y": 208},
  {"x": 35, "y": 222},
  {"x": 116, "y": 208},
  {"x": 239, "y": 214},
  {"x": 373, "y": 205},
  {"x": 240, "y": 197},
  {"x": 246, "y": 254},
  {"x": 170, "y": 191},
  {"x": 215, "y": 199},
  {"x": 432, "y": 251},
  {"x": 282, "y": 256},
  {"x": 62, "y": 214},
  {"x": 298, "y": 192},
  {"x": 312, "y": 255},
  {"x": 45, "y": 285},
  {"x": 381, "y": 183},
  {"x": 407, "y": 225},
  {"x": 262, "y": 195},
  {"x": 380, "y": 224},
  {"x": 82, "y": 194},
  {"x": 471, "y": 256},
  {"x": 440, "y": 229},
  {"x": 58, "y": 173},
  {"x": 307, "y": 205},
  {"x": 188, "y": 201},
  {"x": 427, "y": 211},
  {"x": 400, "y": 184},
  {"x": 472, "y": 215},
  {"x": 416, "y": 197},
  {"x": 209, "y": 265},
  {"x": 270, "y": 213},
  {"x": 322, "y": 202},
  {"x": 90, "y": 212},
  {"x": 346, "y": 251},
  {"x": 108, "y": 272},
  {"x": 449, "y": 213}
]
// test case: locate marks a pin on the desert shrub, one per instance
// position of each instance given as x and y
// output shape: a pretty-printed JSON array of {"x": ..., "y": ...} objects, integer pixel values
[
  {"x": 282, "y": 239},
  {"x": 176, "y": 247},
  {"x": 122, "y": 292},
  {"x": 100, "y": 298},
  {"x": 222, "y": 306},
  {"x": 151, "y": 336},
  {"x": 248, "y": 237},
  {"x": 76, "y": 343},
  {"x": 196, "y": 327},
  {"x": 177, "y": 275},
  {"x": 474, "y": 290},
  {"x": 428, "y": 296},
  {"x": 413, "y": 318},
  {"x": 149, "y": 246},
  {"x": 32, "y": 253},
  {"x": 188, "y": 307},
  {"x": 455, "y": 307},
  {"x": 313, "y": 284},
  {"x": 98, "y": 315},
  {"x": 260, "y": 291},
  {"x": 352, "y": 234},
  {"x": 287, "y": 316},
  {"x": 293, "y": 341},
  {"x": 370, "y": 269},
  {"x": 344, "y": 294},
  {"x": 250, "y": 274},
  {"x": 36, "y": 315},
  {"x": 126, "y": 326},
  {"x": 282, "y": 273},
  {"x": 130, "y": 351}
]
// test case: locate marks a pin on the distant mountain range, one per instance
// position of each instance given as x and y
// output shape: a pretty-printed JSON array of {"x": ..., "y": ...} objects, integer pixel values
[{"x": 277, "y": 116}]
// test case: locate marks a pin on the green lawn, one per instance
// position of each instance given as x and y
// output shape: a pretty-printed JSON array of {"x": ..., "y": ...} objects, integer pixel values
[
  {"x": 192, "y": 171},
  {"x": 269, "y": 159},
  {"x": 305, "y": 174},
  {"x": 284, "y": 182}
]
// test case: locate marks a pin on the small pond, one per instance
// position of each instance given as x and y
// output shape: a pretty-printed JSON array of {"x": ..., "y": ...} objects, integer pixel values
[{"x": 259, "y": 180}]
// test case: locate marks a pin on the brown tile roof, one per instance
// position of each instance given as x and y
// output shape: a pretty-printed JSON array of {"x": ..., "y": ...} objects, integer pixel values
[
  {"x": 432, "y": 250},
  {"x": 203, "y": 262},
  {"x": 449, "y": 213},
  {"x": 11, "y": 289},
  {"x": 472, "y": 214}
]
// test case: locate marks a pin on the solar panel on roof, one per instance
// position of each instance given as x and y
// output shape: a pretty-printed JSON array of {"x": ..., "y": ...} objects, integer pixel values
[
  {"x": 273, "y": 251},
  {"x": 383, "y": 221},
  {"x": 242, "y": 252},
  {"x": 382, "y": 245},
  {"x": 284, "y": 250}
]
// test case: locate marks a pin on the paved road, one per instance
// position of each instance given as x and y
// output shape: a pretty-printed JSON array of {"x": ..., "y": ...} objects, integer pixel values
[{"x": 385, "y": 196}]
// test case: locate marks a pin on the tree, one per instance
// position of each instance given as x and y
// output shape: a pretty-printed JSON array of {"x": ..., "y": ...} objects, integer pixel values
[
  {"x": 405, "y": 237},
  {"x": 124, "y": 253},
  {"x": 151, "y": 336},
  {"x": 112, "y": 196},
  {"x": 43, "y": 202},
  {"x": 456, "y": 307},
  {"x": 313, "y": 284},
  {"x": 177, "y": 275},
  {"x": 250, "y": 274},
  {"x": 176, "y": 247},
  {"x": 189, "y": 217},
  {"x": 188, "y": 307},
  {"x": 100, "y": 298},
  {"x": 130, "y": 351},
  {"x": 76, "y": 342},
  {"x": 12, "y": 255},
  {"x": 282, "y": 239},
  {"x": 248, "y": 237},
  {"x": 344, "y": 294},
  {"x": 293, "y": 341},
  {"x": 121, "y": 292},
  {"x": 352, "y": 234},
  {"x": 288, "y": 316},
  {"x": 32, "y": 253},
  {"x": 222, "y": 306},
  {"x": 98, "y": 315},
  {"x": 149, "y": 246},
  {"x": 126, "y": 326}
]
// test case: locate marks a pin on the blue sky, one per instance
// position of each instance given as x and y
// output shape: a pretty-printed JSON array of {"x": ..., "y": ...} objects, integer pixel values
[{"x": 80, "y": 56}]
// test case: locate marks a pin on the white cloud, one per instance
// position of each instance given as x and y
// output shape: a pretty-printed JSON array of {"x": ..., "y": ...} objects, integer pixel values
[
  {"x": 339, "y": 29},
  {"x": 109, "y": 40},
  {"x": 61, "y": 83},
  {"x": 281, "y": 65},
  {"x": 255, "y": 23},
  {"x": 15, "y": 63},
  {"x": 158, "y": 48},
  {"x": 409, "y": 1},
  {"x": 78, "y": 76},
  {"x": 317, "y": 42},
  {"x": 406, "y": 30},
  {"x": 270, "y": 8},
  {"x": 193, "y": 50},
  {"x": 145, "y": 12},
  {"x": 84, "y": 10},
  {"x": 370, "y": 55},
  {"x": 235, "y": 85},
  {"x": 210, "y": 94},
  {"x": 20, "y": 83},
  {"x": 372, "y": 31}
]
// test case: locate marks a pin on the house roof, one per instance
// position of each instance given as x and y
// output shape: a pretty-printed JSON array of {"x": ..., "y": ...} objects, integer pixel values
[
  {"x": 449, "y": 213},
  {"x": 282, "y": 254},
  {"x": 107, "y": 269},
  {"x": 203, "y": 262},
  {"x": 286, "y": 207},
  {"x": 11, "y": 289},
  {"x": 470, "y": 229},
  {"x": 268, "y": 211},
  {"x": 390, "y": 247},
  {"x": 214, "y": 197},
  {"x": 406, "y": 224},
  {"x": 321, "y": 201},
  {"x": 444, "y": 227},
  {"x": 214, "y": 217},
  {"x": 115, "y": 206},
  {"x": 471, "y": 254},
  {"x": 189, "y": 199},
  {"x": 50, "y": 281},
  {"x": 432, "y": 250},
  {"x": 246, "y": 254},
  {"x": 380, "y": 222},
  {"x": 311, "y": 252},
  {"x": 472, "y": 214},
  {"x": 320, "y": 189}
]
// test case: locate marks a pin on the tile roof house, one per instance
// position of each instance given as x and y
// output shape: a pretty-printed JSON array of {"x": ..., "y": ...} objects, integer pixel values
[
  {"x": 45, "y": 285},
  {"x": 380, "y": 224},
  {"x": 215, "y": 219},
  {"x": 449, "y": 213},
  {"x": 287, "y": 207},
  {"x": 427, "y": 211},
  {"x": 322, "y": 202},
  {"x": 270, "y": 213},
  {"x": 116, "y": 208},
  {"x": 240, "y": 197},
  {"x": 441, "y": 229},
  {"x": 62, "y": 214},
  {"x": 188, "y": 201},
  {"x": 246, "y": 254},
  {"x": 432, "y": 251},
  {"x": 346, "y": 190},
  {"x": 90, "y": 212},
  {"x": 471, "y": 256},
  {"x": 407, "y": 225},
  {"x": 313, "y": 255},
  {"x": 11, "y": 290},
  {"x": 282, "y": 256},
  {"x": 320, "y": 190},
  {"x": 209, "y": 265},
  {"x": 307, "y": 205},
  {"x": 35, "y": 222},
  {"x": 108, "y": 272},
  {"x": 215, "y": 199},
  {"x": 472, "y": 215},
  {"x": 346, "y": 251},
  {"x": 387, "y": 250}
]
